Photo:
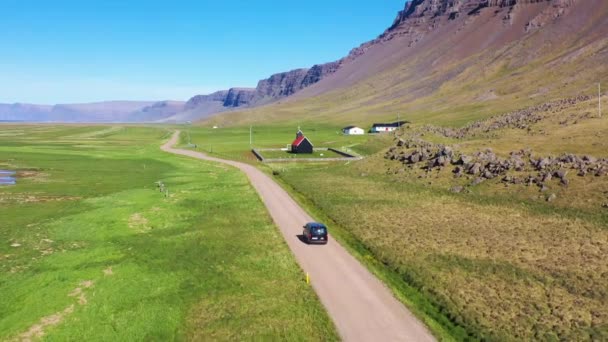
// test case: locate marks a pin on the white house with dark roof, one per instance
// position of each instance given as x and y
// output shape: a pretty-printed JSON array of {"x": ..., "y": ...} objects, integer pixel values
[{"x": 387, "y": 127}]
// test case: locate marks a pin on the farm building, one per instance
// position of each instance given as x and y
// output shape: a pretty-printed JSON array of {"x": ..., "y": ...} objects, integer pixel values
[
  {"x": 353, "y": 130},
  {"x": 301, "y": 144},
  {"x": 387, "y": 127}
]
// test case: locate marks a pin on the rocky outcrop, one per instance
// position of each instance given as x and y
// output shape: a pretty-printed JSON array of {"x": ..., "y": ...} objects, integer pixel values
[
  {"x": 281, "y": 85},
  {"x": 430, "y": 9},
  {"x": 238, "y": 97},
  {"x": 200, "y": 100},
  {"x": 520, "y": 168},
  {"x": 519, "y": 119},
  {"x": 420, "y": 17},
  {"x": 275, "y": 87},
  {"x": 318, "y": 72}
]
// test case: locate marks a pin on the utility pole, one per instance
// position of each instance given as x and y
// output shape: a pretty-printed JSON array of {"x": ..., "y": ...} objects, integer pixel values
[{"x": 398, "y": 124}]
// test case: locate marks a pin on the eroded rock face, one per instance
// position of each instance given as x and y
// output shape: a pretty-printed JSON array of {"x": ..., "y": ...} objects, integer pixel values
[
  {"x": 420, "y": 17},
  {"x": 238, "y": 97},
  {"x": 273, "y": 88},
  {"x": 430, "y": 9},
  {"x": 281, "y": 85},
  {"x": 199, "y": 100},
  {"x": 318, "y": 72}
]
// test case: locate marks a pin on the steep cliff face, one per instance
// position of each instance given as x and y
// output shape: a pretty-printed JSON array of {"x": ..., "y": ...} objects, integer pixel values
[
  {"x": 436, "y": 8},
  {"x": 238, "y": 97},
  {"x": 275, "y": 87},
  {"x": 280, "y": 85},
  {"x": 201, "y": 100},
  {"x": 288, "y": 83},
  {"x": 420, "y": 17},
  {"x": 318, "y": 72}
]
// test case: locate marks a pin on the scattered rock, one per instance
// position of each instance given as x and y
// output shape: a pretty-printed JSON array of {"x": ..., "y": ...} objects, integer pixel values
[
  {"x": 477, "y": 181},
  {"x": 475, "y": 169},
  {"x": 520, "y": 119},
  {"x": 486, "y": 165},
  {"x": 589, "y": 159},
  {"x": 551, "y": 198},
  {"x": 457, "y": 189}
]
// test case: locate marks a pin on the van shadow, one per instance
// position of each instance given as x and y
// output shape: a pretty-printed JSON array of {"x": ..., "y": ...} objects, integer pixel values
[{"x": 302, "y": 239}]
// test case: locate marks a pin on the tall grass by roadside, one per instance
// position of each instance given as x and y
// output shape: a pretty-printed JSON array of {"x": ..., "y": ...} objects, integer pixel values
[{"x": 500, "y": 263}]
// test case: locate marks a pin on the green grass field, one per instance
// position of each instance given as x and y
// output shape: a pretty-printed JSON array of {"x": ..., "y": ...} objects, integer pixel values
[
  {"x": 91, "y": 249},
  {"x": 233, "y": 142},
  {"x": 287, "y": 155},
  {"x": 493, "y": 264},
  {"x": 496, "y": 263}
]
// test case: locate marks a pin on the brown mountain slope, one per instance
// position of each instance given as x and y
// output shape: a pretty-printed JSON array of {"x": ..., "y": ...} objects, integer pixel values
[{"x": 451, "y": 62}]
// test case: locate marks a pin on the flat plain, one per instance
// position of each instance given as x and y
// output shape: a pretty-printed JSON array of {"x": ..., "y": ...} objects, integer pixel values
[{"x": 92, "y": 247}]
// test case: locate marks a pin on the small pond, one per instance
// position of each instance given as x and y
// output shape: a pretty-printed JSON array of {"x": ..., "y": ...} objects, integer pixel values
[{"x": 7, "y": 177}]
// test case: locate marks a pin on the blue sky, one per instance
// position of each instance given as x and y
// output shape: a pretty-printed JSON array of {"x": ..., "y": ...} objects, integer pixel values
[{"x": 64, "y": 51}]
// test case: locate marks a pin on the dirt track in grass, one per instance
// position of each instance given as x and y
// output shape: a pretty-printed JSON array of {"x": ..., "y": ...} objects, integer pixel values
[{"x": 362, "y": 308}]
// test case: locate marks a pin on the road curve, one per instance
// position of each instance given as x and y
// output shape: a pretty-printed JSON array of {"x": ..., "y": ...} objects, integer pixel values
[{"x": 362, "y": 308}]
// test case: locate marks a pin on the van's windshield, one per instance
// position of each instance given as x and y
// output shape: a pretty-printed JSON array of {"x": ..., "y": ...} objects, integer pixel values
[{"x": 318, "y": 230}]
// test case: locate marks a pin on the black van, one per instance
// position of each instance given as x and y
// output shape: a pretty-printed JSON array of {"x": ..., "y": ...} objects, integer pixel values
[{"x": 315, "y": 232}]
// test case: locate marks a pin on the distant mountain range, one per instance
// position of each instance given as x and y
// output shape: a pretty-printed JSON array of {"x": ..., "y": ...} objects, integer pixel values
[
  {"x": 112, "y": 111},
  {"x": 430, "y": 44}
]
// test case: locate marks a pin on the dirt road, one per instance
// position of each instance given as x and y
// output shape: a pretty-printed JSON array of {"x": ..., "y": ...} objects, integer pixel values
[{"x": 362, "y": 308}]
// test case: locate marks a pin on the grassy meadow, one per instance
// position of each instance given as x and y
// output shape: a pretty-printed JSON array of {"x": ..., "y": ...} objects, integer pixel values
[
  {"x": 233, "y": 142},
  {"x": 496, "y": 263},
  {"x": 92, "y": 249},
  {"x": 288, "y": 155},
  {"x": 491, "y": 263}
]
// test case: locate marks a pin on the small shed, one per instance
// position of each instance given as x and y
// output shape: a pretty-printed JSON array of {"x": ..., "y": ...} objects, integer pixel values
[
  {"x": 353, "y": 130},
  {"x": 301, "y": 144}
]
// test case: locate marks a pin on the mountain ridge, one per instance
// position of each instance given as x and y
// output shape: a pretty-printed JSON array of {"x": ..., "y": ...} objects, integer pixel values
[
  {"x": 105, "y": 111},
  {"x": 509, "y": 54}
]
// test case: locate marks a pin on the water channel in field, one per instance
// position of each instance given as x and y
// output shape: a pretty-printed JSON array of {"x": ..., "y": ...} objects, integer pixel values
[{"x": 7, "y": 177}]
